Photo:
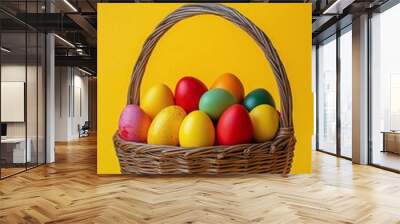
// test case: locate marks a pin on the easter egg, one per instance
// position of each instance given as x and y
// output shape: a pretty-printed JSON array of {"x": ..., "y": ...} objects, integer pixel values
[
  {"x": 265, "y": 120},
  {"x": 197, "y": 130},
  {"x": 156, "y": 98},
  {"x": 230, "y": 83},
  {"x": 234, "y": 126},
  {"x": 258, "y": 97},
  {"x": 188, "y": 92},
  {"x": 133, "y": 124},
  {"x": 164, "y": 130},
  {"x": 215, "y": 101}
]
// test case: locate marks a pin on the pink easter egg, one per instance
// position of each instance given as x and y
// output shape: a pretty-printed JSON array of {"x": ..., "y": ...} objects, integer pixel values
[{"x": 134, "y": 124}]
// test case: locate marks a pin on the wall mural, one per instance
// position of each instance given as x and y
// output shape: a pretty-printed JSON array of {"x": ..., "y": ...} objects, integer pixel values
[{"x": 212, "y": 88}]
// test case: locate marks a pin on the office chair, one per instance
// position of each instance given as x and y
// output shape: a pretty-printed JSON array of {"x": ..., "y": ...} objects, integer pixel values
[{"x": 84, "y": 130}]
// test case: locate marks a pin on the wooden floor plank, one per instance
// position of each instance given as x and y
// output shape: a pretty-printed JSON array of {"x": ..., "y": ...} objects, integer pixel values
[{"x": 70, "y": 191}]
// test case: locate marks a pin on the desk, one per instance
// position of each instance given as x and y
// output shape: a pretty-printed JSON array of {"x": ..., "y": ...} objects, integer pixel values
[
  {"x": 16, "y": 148},
  {"x": 391, "y": 141}
]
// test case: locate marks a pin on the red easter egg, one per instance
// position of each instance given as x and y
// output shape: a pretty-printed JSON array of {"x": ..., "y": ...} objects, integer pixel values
[
  {"x": 188, "y": 92},
  {"x": 134, "y": 124},
  {"x": 234, "y": 126}
]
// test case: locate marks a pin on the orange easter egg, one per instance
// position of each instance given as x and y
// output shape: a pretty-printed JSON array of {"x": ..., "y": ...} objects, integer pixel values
[{"x": 230, "y": 83}]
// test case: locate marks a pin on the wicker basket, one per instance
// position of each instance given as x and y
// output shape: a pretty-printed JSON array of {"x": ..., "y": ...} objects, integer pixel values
[{"x": 269, "y": 157}]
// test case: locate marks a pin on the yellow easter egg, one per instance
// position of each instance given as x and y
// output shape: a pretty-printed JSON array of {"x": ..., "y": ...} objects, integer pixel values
[
  {"x": 197, "y": 130},
  {"x": 265, "y": 120},
  {"x": 164, "y": 129},
  {"x": 156, "y": 98}
]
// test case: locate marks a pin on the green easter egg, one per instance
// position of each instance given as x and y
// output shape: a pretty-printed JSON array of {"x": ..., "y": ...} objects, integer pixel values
[
  {"x": 215, "y": 101},
  {"x": 258, "y": 97}
]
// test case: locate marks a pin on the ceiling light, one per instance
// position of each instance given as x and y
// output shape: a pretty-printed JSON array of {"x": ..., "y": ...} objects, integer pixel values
[
  {"x": 64, "y": 40},
  {"x": 5, "y": 50},
  {"x": 84, "y": 71},
  {"x": 79, "y": 51},
  {"x": 337, "y": 7},
  {"x": 70, "y": 5}
]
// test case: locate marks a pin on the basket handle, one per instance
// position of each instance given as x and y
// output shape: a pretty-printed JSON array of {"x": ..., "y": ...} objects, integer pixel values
[{"x": 235, "y": 17}]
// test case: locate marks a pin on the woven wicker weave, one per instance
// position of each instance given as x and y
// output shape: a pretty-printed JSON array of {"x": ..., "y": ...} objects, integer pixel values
[{"x": 269, "y": 157}]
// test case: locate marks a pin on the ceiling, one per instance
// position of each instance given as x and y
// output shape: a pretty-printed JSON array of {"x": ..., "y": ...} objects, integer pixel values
[
  {"x": 329, "y": 16},
  {"x": 74, "y": 22}
]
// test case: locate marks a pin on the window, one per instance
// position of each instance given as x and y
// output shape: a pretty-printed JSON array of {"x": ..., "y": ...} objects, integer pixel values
[
  {"x": 327, "y": 96},
  {"x": 22, "y": 77},
  {"x": 385, "y": 89},
  {"x": 346, "y": 93},
  {"x": 334, "y": 74}
]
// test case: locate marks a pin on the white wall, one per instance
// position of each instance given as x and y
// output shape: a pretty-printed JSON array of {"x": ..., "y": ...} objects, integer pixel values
[
  {"x": 62, "y": 81},
  {"x": 81, "y": 85},
  {"x": 16, "y": 73},
  {"x": 12, "y": 73},
  {"x": 71, "y": 102}
]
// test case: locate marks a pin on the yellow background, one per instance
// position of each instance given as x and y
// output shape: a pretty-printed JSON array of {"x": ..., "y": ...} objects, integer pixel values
[{"x": 203, "y": 46}]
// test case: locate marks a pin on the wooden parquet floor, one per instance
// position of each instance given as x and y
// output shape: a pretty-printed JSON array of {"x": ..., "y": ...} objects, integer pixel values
[{"x": 70, "y": 191}]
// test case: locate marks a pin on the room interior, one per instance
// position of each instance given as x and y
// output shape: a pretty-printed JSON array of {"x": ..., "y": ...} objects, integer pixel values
[{"x": 49, "y": 109}]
